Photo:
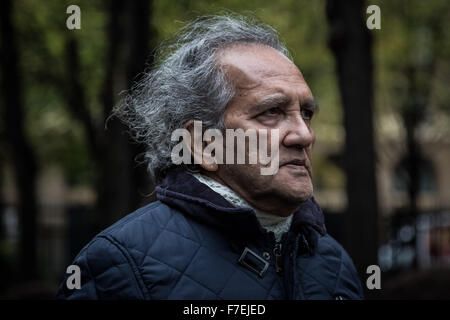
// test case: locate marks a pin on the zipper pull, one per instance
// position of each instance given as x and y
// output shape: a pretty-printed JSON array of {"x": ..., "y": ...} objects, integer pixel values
[
  {"x": 277, "y": 253},
  {"x": 305, "y": 244}
]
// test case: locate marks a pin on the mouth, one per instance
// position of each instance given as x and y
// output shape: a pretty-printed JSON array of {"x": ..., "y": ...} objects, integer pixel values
[
  {"x": 298, "y": 166},
  {"x": 295, "y": 162}
]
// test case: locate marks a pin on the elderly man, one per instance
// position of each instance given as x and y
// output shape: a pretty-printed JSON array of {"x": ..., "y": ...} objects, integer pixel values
[{"x": 221, "y": 230}]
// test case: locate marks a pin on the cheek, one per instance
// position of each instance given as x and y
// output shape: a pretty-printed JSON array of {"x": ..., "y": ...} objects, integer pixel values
[
  {"x": 310, "y": 147},
  {"x": 309, "y": 153},
  {"x": 234, "y": 117},
  {"x": 246, "y": 176}
]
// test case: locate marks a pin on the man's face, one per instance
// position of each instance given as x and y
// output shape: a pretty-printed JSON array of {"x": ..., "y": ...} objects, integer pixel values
[{"x": 271, "y": 94}]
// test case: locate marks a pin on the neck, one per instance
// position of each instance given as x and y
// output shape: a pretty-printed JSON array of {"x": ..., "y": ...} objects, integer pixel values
[
  {"x": 265, "y": 203},
  {"x": 274, "y": 223}
]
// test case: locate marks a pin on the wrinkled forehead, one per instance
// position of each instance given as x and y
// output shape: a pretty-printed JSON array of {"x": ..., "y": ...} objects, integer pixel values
[{"x": 246, "y": 64}]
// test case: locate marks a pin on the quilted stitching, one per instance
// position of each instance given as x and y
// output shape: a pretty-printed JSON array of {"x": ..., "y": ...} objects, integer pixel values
[
  {"x": 184, "y": 236},
  {"x": 184, "y": 255}
]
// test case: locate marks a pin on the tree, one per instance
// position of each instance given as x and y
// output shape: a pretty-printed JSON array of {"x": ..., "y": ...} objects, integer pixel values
[
  {"x": 423, "y": 52},
  {"x": 22, "y": 156},
  {"x": 121, "y": 184},
  {"x": 351, "y": 45}
]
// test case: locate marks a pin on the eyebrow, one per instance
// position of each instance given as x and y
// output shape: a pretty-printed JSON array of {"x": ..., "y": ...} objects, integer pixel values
[
  {"x": 272, "y": 101},
  {"x": 281, "y": 99},
  {"x": 310, "y": 104}
]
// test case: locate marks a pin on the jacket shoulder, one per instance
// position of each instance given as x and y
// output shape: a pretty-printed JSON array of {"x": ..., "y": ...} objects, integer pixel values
[
  {"x": 347, "y": 283},
  {"x": 155, "y": 212},
  {"x": 327, "y": 271},
  {"x": 141, "y": 228},
  {"x": 104, "y": 269},
  {"x": 107, "y": 263}
]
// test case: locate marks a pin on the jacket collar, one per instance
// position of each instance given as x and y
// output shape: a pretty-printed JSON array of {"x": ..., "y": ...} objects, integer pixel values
[{"x": 184, "y": 192}]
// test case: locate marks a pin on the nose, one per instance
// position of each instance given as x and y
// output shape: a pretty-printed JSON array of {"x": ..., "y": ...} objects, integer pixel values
[{"x": 299, "y": 133}]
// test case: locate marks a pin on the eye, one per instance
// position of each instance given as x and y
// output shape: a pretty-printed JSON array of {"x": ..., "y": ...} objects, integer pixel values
[
  {"x": 307, "y": 114},
  {"x": 272, "y": 112}
]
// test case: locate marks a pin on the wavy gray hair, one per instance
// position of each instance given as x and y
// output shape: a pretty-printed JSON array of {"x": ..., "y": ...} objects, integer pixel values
[{"x": 187, "y": 83}]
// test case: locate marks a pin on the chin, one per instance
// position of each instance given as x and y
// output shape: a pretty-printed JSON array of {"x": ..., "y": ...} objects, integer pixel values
[{"x": 298, "y": 193}]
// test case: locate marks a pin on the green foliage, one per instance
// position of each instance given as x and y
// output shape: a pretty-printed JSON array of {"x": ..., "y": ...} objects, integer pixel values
[
  {"x": 303, "y": 27},
  {"x": 301, "y": 24},
  {"x": 411, "y": 31},
  {"x": 414, "y": 34},
  {"x": 59, "y": 139}
]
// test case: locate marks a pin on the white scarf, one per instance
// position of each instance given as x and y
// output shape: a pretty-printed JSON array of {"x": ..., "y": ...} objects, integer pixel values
[{"x": 277, "y": 224}]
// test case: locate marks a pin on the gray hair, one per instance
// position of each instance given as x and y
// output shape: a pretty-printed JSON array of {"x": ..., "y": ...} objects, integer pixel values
[{"x": 186, "y": 83}]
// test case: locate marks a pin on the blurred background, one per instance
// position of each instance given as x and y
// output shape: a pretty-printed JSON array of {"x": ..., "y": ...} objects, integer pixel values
[{"x": 381, "y": 158}]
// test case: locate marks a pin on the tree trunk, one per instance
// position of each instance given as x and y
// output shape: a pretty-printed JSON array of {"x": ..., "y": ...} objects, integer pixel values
[
  {"x": 22, "y": 156},
  {"x": 121, "y": 184},
  {"x": 415, "y": 106},
  {"x": 350, "y": 42},
  {"x": 122, "y": 181},
  {"x": 75, "y": 96}
]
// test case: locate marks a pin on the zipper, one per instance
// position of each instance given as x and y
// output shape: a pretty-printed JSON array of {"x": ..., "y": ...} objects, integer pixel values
[
  {"x": 278, "y": 257},
  {"x": 305, "y": 244}
]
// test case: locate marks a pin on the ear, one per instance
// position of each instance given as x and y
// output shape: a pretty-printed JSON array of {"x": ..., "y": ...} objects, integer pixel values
[{"x": 197, "y": 146}]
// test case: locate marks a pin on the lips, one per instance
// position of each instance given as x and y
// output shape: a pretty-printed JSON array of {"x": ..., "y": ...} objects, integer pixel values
[
  {"x": 296, "y": 162},
  {"x": 298, "y": 166}
]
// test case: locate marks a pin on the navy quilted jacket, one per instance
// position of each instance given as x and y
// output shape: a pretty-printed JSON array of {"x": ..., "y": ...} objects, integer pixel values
[{"x": 193, "y": 244}]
